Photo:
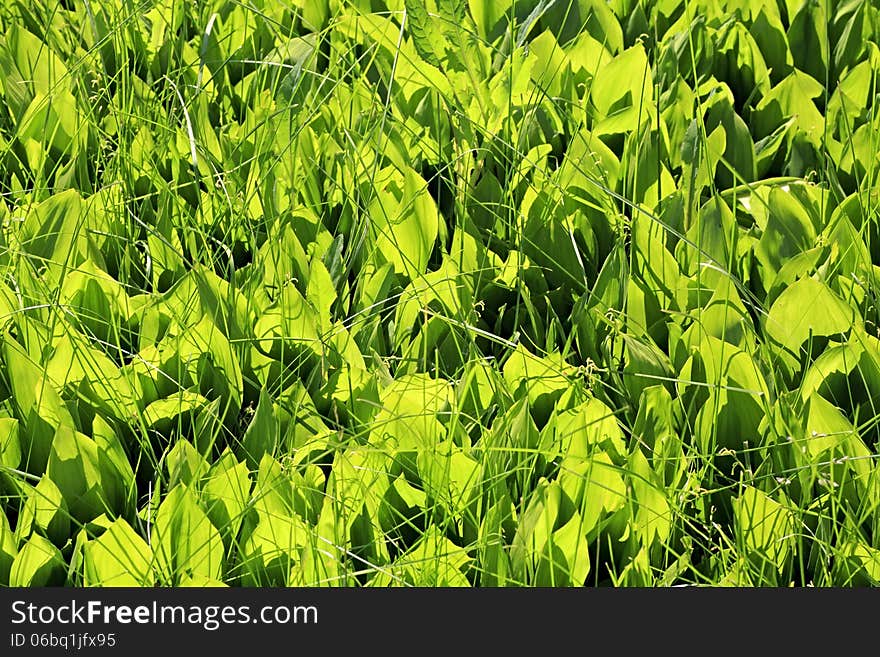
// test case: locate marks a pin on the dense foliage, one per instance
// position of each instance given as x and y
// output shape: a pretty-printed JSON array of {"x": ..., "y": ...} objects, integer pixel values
[{"x": 439, "y": 293}]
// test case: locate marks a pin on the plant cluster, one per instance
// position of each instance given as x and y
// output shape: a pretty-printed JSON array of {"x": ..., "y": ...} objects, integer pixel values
[{"x": 484, "y": 292}]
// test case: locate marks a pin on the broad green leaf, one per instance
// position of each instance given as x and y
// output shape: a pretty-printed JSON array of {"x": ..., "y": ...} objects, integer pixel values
[
  {"x": 357, "y": 483},
  {"x": 97, "y": 299},
  {"x": 207, "y": 356},
  {"x": 724, "y": 316},
  {"x": 450, "y": 476},
  {"x": 551, "y": 70},
  {"x": 54, "y": 235},
  {"x": 29, "y": 67},
  {"x": 808, "y": 39},
  {"x": 550, "y": 547},
  {"x": 262, "y": 434},
  {"x": 412, "y": 71},
  {"x": 596, "y": 488},
  {"x": 441, "y": 294},
  {"x": 117, "y": 475},
  {"x": 405, "y": 221},
  {"x": 74, "y": 466},
  {"x": 513, "y": 446},
  {"x": 174, "y": 412},
  {"x": 834, "y": 453},
  {"x": 40, "y": 408},
  {"x": 426, "y": 37},
  {"x": 788, "y": 232},
  {"x": 808, "y": 308},
  {"x": 226, "y": 492},
  {"x": 434, "y": 561},
  {"x": 653, "y": 516},
  {"x": 38, "y": 563},
  {"x": 493, "y": 553},
  {"x": 541, "y": 379},
  {"x": 858, "y": 564},
  {"x": 791, "y": 98},
  {"x": 489, "y": 15},
  {"x": 828, "y": 375},
  {"x": 401, "y": 505},
  {"x": 289, "y": 328},
  {"x": 10, "y": 445},
  {"x": 623, "y": 95},
  {"x": 45, "y": 511},
  {"x": 567, "y": 20},
  {"x": 740, "y": 62},
  {"x": 645, "y": 363},
  {"x": 565, "y": 559},
  {"x": 8, "y": 549},
  {"x": 738, "y": 160},
  {"x": 184, "y": 464},
  {"x": 119, "y": 557},
  {"x": 769, "y": 34},
  {"x": 272, "y": 548},
  {"x": 185, "y": 542},
  {"x": 587, "y": 428},
  {"x": 477, "y": 389},
  {"x": 765, "y": 530}
]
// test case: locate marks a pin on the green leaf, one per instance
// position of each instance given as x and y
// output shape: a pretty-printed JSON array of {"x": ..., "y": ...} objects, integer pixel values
[
  {"x": 271, "y": 551},
  {"x": 434, "y": 561},
  {"x": 541, "y": 379},
  {"x": 551, "y": 70},
  {"x": 587, "y": 428},
  {"x": 405, "y": 221},
  {"x": 29, "y": 67},
  {"x": 596, "y": 488},
  {"x": 550, "y": 546},
  {"x": 858, "y": 564},
  {"x": 450, "y": 476},
  {"x": 119, "y": 557},
  {"x": 808, "y": 39},
  {"x": 808, "y": 308},
  {"x": 212, "y": 364},
  {"x": 226, "y": 492},
  {"x": 493, "y": 557},
  {"x": 54, "y": 234},
  {"x": 184, "y": 464},
  {"x": 289, "y": 328},
  {"x": 787, "y": 233},
  {"x": 623, "y": 96},
  {"x": 791, "y": 98},
  {"x": 74, "y": 465},
  {"x": 426, "y": 38},
  {"x": 185, "y": 541},
  {"x": 567, "y": 20},
  {"x": 653, "y": 516},
  {"x": 117, "y": 475},
  {"x": 8, "y": 549},
  {"x": 765, "y": 530},
  {"x": 262, "y": 434},
  {"x": 489, "y": 16},
  {"x": 40, "y": 408},
  {"x": 738, "y": 165},
  {"x": 38, "y": 563},
  {"x": 45, "y": 511},
  {"x": 769, "y": 35},
  {"x": 830, "y": 436},
  {"x": 97, "y": 299},
  {"x": 739, "y": 61},
  {"x": 10, "y": 445},
  {"x": 734, "y": 399}
]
